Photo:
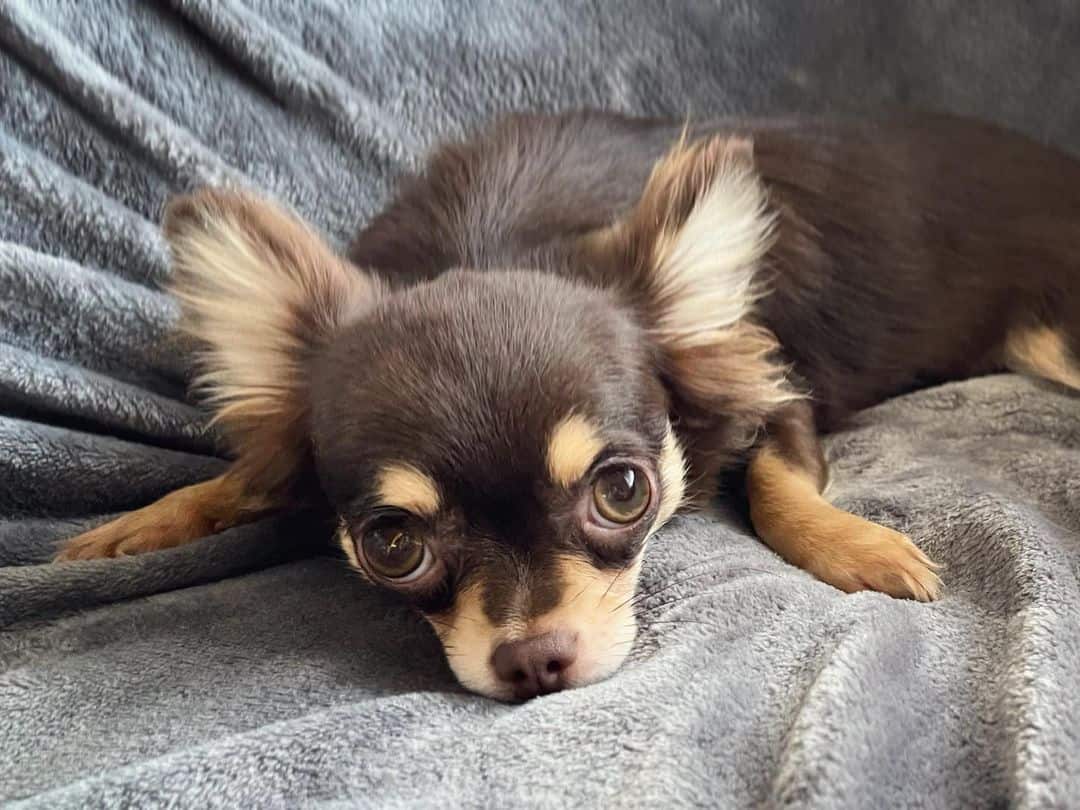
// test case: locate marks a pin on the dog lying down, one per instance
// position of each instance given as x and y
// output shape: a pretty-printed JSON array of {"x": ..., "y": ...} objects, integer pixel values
[{"x": 568, "y": 327}]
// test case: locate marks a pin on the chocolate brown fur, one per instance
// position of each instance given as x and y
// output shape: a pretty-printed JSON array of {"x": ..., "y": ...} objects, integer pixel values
[{"x": 906, "y": 250}]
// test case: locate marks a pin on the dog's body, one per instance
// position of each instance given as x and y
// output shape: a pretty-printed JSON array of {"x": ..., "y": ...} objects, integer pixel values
[
  {"x": 890, "y": 233},
  {"x": 569, "y": 309}
]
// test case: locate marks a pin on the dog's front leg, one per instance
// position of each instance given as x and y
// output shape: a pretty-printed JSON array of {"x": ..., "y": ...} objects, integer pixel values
[
  {"x": 785, "y": 479},
  {"x": 178, "y": 518}
]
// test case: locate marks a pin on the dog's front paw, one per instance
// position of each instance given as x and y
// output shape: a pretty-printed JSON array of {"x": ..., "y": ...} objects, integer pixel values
[
  {"x": 178, "y": 518},
  {"x": 854, "y": 554},
  {"x": 136, "y": 533}
]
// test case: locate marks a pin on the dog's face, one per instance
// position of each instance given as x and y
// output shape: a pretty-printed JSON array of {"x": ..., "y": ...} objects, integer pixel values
[{"x": 498, "y": 445}]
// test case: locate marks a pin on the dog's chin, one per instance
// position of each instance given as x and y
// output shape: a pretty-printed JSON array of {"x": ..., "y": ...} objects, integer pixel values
[{"x": 602, "y": 650}]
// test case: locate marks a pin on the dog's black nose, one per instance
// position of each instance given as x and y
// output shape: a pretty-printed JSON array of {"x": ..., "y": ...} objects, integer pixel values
[{"x": 535, "y": 666}]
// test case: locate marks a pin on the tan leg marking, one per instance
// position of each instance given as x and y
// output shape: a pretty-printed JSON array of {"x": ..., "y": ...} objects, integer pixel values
[
  {"x": 845, "y": 550},
  {"x": 180, "y": 517},
  {"x": 1042, "y": 352}
]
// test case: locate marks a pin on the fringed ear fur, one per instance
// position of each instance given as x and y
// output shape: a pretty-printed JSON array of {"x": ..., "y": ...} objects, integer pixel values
[
  {"x": 688, "y": 256},
  {"x": 261, "y": 292}
]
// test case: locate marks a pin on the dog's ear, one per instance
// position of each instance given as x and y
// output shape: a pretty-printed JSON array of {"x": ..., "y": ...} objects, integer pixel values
[
  {"x": 261, "y": 292},
  {"x": 688, "y": 258}
]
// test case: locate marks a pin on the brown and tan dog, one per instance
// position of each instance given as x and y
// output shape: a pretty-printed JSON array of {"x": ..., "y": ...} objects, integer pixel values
[{"x": 568, "y": 327}]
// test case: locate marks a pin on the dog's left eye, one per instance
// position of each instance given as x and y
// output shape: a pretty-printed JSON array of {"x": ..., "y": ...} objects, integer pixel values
[
  {"x": 394, "y": 550},
  {"x": 621, "y": 493}
]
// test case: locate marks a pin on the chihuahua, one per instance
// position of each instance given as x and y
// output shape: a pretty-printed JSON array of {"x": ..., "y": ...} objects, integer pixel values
[{"x": 566, "y": 328}]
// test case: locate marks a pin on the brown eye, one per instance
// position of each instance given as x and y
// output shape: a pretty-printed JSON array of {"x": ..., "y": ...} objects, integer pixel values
[
  {"x": 621, "y": 493},
  {"x": 393, "y": 550}
]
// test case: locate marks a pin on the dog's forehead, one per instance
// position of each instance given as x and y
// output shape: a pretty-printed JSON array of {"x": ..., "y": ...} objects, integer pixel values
[{"x": 468, "y": 379}]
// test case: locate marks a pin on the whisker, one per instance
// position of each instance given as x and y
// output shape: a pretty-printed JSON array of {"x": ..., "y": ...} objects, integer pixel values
[
  {"x": 643, "y": 595},
  {"x": 611, "y": 584},
  {"x": 584, "y": 588},
  {"x": 646, "y": 611},
  {"x": 695, "y": 564},
  {"x": 679, "y": 621},
  {"x": 739, "y": 570}
]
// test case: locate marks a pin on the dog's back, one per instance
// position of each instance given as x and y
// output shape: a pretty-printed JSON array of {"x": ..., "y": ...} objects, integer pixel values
[
  {"x": 917, "y": 251},
  {"x": 909, "y": 251}
]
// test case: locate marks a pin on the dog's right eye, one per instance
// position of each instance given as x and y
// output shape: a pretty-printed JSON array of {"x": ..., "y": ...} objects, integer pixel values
[{"x": 395, "y": 550}]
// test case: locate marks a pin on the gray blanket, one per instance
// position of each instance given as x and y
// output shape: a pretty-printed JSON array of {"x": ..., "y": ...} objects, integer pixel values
[{"x": 253, "y": 670}]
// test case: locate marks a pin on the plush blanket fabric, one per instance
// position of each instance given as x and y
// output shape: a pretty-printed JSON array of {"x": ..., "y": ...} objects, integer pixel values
[{"x": 252, "y": 669}]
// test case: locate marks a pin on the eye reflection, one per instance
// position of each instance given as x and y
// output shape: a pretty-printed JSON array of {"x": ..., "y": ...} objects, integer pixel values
[{"x": 393, "y": 550}]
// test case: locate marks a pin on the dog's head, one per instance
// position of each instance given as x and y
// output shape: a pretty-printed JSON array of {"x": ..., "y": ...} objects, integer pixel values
[{"x": 498, "y": 445}]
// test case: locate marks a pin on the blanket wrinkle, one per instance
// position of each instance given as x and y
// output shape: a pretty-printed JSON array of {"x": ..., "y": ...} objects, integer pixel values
[
  {"x": 306, "y": 82},
  {"x": 66, "y": 395},
  {"x": 108, "y": 101},
  {"x": 253, "y": 669},
  {"x": 853, "y": 662},
  {"x": 35, "y": 185},
  {"x": 107, "y": 313}
]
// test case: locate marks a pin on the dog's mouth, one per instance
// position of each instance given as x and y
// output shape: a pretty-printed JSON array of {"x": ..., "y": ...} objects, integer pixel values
[{"x": 583, "y": 640}]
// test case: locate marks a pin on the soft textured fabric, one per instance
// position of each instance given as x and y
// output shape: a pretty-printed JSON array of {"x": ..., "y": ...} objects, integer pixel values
[{"x": 251, "y": 670}]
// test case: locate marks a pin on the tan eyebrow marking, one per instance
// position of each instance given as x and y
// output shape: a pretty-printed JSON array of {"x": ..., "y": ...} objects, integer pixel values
[
  {"x": 573, "y": 447},
  {"x": 405, "y": 487}
]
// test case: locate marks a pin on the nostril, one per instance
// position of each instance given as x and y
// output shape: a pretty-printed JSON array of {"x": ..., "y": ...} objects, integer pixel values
[{"x": 535, "y": 665}]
